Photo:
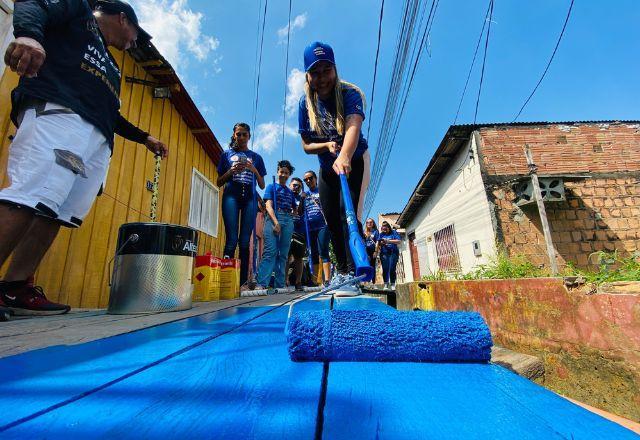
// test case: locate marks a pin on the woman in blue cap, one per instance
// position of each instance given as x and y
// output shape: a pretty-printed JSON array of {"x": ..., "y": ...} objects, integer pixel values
[{"x": 330, "y": 119}]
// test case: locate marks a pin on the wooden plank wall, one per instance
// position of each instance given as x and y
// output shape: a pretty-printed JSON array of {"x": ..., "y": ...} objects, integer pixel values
[{"x": 76, "y": 268}]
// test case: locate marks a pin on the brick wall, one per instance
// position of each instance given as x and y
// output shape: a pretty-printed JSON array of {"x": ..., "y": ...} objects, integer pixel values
[
  {"x": 561, "y": 149},
  {"x": 602, "y": 210}
]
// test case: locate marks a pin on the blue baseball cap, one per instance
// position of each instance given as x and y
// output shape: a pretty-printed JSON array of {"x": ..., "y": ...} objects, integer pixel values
[{"x": 317, "y": 51}]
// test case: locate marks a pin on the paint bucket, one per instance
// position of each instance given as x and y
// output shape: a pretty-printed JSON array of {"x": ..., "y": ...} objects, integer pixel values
[{"x": 153, "y": 268}]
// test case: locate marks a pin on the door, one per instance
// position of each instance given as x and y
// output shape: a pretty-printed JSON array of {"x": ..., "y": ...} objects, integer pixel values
[{"x": 415, "y": 262}]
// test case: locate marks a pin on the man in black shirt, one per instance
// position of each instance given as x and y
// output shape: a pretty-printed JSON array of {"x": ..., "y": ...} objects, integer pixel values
[{"x": 66, "y": 108}]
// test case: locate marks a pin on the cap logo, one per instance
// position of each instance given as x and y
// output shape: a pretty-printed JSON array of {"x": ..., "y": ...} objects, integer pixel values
[{"x": 319, "y": 51}]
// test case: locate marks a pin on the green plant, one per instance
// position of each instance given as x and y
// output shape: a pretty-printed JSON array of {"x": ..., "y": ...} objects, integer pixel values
[{"x": 610, "y": 267}]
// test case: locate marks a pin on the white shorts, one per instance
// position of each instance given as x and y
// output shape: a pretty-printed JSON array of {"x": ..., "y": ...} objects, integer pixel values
[{"x": 57, "y": 164}]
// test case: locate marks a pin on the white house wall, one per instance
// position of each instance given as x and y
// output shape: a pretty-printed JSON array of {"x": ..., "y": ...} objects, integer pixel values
[{"x": 459, "y": 199}]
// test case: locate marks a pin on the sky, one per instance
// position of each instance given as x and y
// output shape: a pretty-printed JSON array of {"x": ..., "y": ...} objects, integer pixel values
[{"x": 212, "y": 45}]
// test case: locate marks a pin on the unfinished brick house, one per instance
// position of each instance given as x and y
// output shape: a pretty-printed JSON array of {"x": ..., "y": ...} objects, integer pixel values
[{"x": 476, "y": 195}]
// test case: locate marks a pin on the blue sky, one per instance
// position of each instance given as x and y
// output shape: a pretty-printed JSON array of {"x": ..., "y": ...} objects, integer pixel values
[{"x": 212, "y": 44}]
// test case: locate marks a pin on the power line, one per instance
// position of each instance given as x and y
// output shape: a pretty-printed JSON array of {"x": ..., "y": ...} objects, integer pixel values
[
  {"x": 257, "y": 91},
  {"x": 375, "y": 68},
  {"x": 484, "y": 60},
  {"x": 548, "y": 64},
  {"x": 412, "y": 36},
  {"x": 286, "y": 72},
  {"x": 475, "y": 54}
]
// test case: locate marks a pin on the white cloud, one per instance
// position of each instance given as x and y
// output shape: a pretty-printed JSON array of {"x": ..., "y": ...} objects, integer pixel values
[
  {"x": 297, "y": 23},
  {"x": 269, "y": 136},
  {"x": 295, "y": 86},
  {"x": 176, "y": 30}
]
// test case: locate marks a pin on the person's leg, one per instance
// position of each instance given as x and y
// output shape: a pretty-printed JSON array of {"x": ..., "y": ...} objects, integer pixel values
[
  {"x": 324, "y": 237},
  {"x": 32, "y": 248},
  {"x": 247, "y": 223},
  {"x": 392, "y": 269},
  {"x": 231, "y": 219},
  {"x": 268, "y": 254},
  {"x": 331, "y": 201},
  {"x": 384, "y": 261},
  {"x": 15, "y": 223},
  {"x": 284, "y": 242}
]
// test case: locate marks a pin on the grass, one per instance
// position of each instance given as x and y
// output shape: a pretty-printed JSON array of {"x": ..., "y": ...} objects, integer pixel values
[{"x": 610, "y": 267}]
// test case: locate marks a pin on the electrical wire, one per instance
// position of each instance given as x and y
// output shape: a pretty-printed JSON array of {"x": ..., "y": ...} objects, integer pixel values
[
  {"x": 286, "y": 72},
  {"x": 566, "y": 20},
  {"x": 484, "y": 60},
  {"x": 257, "y": 91},
  {"x": 375, "y": 67}
]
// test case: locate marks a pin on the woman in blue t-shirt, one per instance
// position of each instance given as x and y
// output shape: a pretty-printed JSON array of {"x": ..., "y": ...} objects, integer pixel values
[
  {"x": 278, "y": 228},
  {"x": 371, "y": 240},
  {"x": 319, "y": 235},
  {"x": 330, "y": 117},
  {"x": 388, "y": 242},
  {"x": 239, "y": 170}
]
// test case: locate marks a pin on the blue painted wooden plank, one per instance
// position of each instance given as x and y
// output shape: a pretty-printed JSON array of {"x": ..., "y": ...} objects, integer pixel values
[
  {"x": 240, "y": 385},
  {"x": 35, "y": 380},
  {"x": 448, "y": 401}
]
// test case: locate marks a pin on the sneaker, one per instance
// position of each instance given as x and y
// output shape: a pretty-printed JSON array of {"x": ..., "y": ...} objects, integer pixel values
[
  {"x": 5, "y": 312},
  {"x": 386, "y": 286},
  {"x": 393, "y": 286},
  {"x": 25, "y": 300},
  {"x": 299, "y": 288}
]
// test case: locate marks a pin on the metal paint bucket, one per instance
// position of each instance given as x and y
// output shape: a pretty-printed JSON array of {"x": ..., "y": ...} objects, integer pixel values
[{"x": 152, "y": 268}]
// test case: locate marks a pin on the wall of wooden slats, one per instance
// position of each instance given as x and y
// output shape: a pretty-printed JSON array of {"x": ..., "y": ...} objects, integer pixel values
[{"x": 76, "y": 268}]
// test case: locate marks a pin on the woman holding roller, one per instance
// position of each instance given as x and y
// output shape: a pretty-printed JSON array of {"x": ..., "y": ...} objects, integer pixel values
[
  {"x": 330, "y": 117},
  {"x": 239, "y": 170}
]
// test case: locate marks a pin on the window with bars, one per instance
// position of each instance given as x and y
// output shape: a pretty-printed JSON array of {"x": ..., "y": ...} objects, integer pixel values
[
  {"x": 447, "y": 249},
  {"x": 203, "y": 206}
]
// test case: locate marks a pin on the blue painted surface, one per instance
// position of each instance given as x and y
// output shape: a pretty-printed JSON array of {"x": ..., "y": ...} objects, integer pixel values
[
  {"x": 449, "y": 401},
  {"x": 388, "y": 336},
  {"x": 239, "y": 385},
  {"x": 35, "y": 380}
]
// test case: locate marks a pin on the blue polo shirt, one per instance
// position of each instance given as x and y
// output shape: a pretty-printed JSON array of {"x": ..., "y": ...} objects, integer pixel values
[
  {"x": 389, "y": 248},
  {"x": 327, "y": 118},
  {"x": 313, "y": 210},
  {"x": 242, "y": 184},
  {"x": 285, "y": 198}
]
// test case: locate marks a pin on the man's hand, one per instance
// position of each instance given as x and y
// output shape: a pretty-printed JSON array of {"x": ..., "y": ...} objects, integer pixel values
[
  {"x": 333, "y": 147},
  {"x": 276, "y": 229},
  {"x": 25, "y": 56},
  {"x": 156, "y": 146}
]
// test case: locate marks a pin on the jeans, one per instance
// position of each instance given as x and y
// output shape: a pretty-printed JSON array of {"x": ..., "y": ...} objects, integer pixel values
[
  {"x": 239, "y": 214},
  {"x": 389, "y": 262},
  {"x": 276, "y": 250},
  {"x": 319, "y": 244}
]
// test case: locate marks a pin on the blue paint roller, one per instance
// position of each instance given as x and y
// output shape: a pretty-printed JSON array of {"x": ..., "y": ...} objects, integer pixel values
[
  {"x": 388, "y": 336},
  {"x": 356, "y": 243}
]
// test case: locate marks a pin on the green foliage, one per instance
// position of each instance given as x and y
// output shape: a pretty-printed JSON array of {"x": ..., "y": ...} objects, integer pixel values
[{"x": 610, "y": 267}]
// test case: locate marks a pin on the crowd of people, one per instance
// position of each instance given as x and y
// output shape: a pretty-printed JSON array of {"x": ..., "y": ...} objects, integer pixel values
[{"x": 299, "y": 222}]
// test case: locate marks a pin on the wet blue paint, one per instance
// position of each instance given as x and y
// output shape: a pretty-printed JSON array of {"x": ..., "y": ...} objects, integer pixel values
[
  {"x": 36, "y": 380},
  {"x": 239, "y": 385}
]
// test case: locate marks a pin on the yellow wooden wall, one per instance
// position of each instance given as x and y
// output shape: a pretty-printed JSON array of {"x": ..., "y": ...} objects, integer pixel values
[{"x": 75, "y": 270}]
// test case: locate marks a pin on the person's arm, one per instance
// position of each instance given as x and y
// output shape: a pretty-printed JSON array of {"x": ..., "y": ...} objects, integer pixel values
[
  {"x": 256, "y": 172},
  {"x": 394, "y": 239},
  {"x": 353, "y": 125},
  {"x": 130, "y": 132},
  {"x": 25, "y": 55},
  {"x": 319, "y": 147},
  {"x": 272, "y": 215},
  {"x": 225, "y": 177}
]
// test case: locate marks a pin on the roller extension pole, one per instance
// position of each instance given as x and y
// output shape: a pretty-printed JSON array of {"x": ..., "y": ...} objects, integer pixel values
[{"x": 356, "y": 243}]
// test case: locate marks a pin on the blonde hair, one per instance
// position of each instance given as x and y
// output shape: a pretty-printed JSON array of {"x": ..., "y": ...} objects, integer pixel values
[{"x": 311, "y": 100}]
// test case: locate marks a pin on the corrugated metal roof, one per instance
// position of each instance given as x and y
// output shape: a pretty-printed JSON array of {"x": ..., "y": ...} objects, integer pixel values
[
  {"x": 451, "y": 143},
  {"x": 150, "y": 59}
]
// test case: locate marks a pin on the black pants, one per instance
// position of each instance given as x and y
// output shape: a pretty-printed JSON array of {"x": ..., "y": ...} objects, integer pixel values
[{"x": 333, "y": 209}]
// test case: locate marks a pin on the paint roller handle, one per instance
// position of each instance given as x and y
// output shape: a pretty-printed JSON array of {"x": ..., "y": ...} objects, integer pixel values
[{"x": 356, "y": 243}]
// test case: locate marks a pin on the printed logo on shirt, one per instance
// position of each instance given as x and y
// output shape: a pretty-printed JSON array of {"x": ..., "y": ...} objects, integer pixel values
[{"x": 245, "y": 177}]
